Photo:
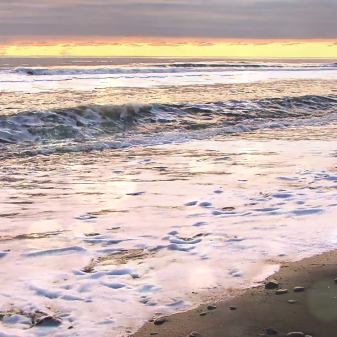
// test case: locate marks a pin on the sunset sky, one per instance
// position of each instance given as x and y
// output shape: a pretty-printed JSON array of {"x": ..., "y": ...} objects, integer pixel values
[{"x": 245, "y": 28}]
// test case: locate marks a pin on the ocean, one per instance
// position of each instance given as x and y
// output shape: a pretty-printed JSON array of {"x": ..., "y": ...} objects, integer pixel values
[{"x": 132, "y": 187}]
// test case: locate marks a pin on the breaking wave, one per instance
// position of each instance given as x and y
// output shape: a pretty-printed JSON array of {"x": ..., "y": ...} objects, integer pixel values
[
  {"x": 167, "y": 68},
  {"x": 91, "y": 122}
]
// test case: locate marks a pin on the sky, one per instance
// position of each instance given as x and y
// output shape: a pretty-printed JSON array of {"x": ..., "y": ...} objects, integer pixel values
[{"x": 181, "y": 27}]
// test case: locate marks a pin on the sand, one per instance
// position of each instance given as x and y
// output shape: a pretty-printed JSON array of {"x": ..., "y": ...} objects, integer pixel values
[{"x": 261, "y": 312}]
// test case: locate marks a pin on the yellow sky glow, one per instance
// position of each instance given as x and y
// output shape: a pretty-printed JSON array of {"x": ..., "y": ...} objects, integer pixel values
[{"x": 229, "y": 48}]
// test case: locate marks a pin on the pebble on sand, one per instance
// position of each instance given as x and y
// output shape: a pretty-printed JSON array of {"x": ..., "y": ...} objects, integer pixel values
[
  {"x": 211, "y": 307},
  {"x": 296, "y": 334},
  {"x": 292, "y": 301},
  {"x": 281, "y": 291},
  {"x": 298, "y": 289},
  {"x": 194, "y": 334},
  {"x": 160, "y": 320},
  {"x": 271, "y": 331},
  {"x": 272, "y": 284}
]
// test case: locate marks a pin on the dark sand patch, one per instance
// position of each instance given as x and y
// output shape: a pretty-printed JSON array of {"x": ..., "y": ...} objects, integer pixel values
[
  {"x": 107, "y": 211},
  {"x": 119, "y": 258},
  {"x": 30, "y": 236},
  {"x": 260, "y": 312}
]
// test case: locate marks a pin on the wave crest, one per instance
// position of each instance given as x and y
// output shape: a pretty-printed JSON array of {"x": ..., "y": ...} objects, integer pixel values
[
  {"x": 177, "y": 67},
  {"x": 92, "y": 121}
]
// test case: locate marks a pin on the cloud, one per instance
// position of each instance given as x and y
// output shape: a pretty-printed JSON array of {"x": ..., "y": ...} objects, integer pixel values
[
  {"x": 290, "y": 44},
  {"x": 204, "y": 19}
]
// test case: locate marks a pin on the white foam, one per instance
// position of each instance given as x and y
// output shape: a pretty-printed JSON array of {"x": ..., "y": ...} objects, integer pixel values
[
  {"x": 86, "y": 78},
  {"x": 181, "y": 251}
]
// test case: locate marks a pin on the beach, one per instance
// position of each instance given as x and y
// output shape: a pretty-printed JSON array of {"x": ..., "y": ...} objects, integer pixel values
[
  {"x": 140, "y": 190},
  {"x": 300, "y": 301}
]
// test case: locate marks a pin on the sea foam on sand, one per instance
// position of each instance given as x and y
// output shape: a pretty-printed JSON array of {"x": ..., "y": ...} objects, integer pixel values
[{"x": 105, "y": 241}]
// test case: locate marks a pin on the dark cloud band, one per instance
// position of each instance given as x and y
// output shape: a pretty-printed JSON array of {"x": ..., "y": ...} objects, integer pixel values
[{"x": 265, "y": 19}]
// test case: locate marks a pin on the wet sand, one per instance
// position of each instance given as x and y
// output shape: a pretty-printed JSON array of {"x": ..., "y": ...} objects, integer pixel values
[{"x": 311, "y": 311}]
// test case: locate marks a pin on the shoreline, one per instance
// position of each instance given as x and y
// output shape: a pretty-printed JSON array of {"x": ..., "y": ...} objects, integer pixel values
[
  {"x": 214, "y": 212},
  {"x": 304, "y": 301}
]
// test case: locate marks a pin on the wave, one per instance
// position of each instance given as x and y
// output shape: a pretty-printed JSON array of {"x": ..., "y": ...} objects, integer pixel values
[
  {"x": 249, "y": 65},
  {"x": 92, "y": 122},
  {"x": 223, "y": 65},
  {"x": 85, "y": 71},
  {"x": 167, "y": 68}
]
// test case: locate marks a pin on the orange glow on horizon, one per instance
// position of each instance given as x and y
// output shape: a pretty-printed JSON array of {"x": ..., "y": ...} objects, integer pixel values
[{"x": 171, "y": 48}]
